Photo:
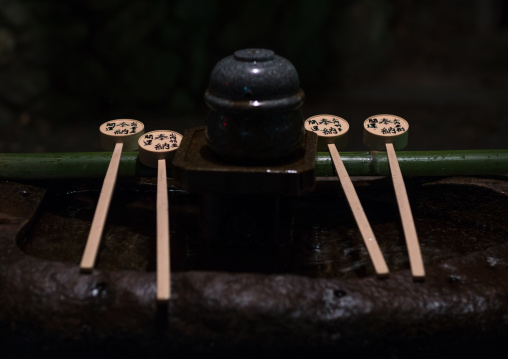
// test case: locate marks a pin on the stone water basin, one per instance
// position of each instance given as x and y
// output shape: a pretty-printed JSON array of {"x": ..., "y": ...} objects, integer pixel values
[{"x": 317, "y": 293}]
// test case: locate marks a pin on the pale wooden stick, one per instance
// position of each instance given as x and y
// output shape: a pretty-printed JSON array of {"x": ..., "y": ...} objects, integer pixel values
[
  {"x": 163, "y": 255},
  {"x": 415, "y": 255},
  {"x": 361, "y": 219},
  {"x": 101, "y": 212},
  {"x": 155, "y": 148}
]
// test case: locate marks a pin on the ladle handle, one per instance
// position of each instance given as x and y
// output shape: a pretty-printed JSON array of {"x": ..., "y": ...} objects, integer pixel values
[
  {"x": 408, "y": 224},
  {"x": 101, "y": 212},
  {"x": 361, "y": 219},
  {"x": 163, "y": 252}
]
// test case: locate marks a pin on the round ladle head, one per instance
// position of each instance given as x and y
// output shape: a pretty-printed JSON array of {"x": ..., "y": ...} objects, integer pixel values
[
  {"x": 156, "y": 145},
  {"x": 382, "y": 129},
  {"x": 126, "y": 131},
  {"x": 330, "y": 129}
]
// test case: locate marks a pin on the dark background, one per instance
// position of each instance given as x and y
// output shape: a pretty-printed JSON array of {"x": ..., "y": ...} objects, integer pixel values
[{"x": 68, "y": 66}]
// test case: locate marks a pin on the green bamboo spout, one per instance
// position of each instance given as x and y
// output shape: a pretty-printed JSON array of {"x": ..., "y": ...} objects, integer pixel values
[
  {"x": 32, "y": 166},
  {"x": 420, "y": 163}
]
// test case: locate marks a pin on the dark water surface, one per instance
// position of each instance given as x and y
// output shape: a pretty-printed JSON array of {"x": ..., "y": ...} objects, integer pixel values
[{"x": 326, "y": 242}]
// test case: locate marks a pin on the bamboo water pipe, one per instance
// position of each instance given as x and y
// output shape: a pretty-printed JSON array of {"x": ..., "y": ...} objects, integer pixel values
[{"x": 37, "y": 166}]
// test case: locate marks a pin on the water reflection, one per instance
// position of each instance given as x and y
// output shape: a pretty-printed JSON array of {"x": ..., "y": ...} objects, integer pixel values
[{"x": 326, "y": 242}]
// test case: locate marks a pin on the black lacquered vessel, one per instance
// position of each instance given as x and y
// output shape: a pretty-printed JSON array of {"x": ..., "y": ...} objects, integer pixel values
[{"x": 255, "y": 99}]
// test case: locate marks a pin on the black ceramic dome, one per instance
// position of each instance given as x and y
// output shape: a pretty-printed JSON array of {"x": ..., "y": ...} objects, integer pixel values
[
  {"x": 255, "y": 98},
  {"x": 254, "y": 78}
]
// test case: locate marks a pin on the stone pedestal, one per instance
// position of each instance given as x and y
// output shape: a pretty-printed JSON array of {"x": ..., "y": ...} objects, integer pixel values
[{"x": 241, "y": 204}]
